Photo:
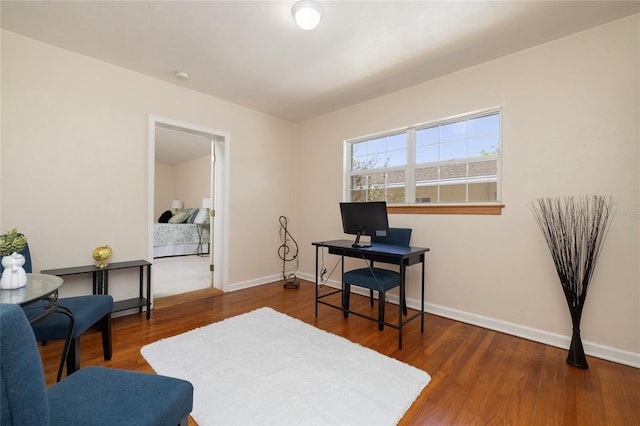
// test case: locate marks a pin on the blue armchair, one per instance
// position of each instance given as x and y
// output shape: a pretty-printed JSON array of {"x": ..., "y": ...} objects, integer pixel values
[
  {"x": 91, "y": 396},
  {"x": 87, "y": 311},
  {"x": 377, "y": 279}
]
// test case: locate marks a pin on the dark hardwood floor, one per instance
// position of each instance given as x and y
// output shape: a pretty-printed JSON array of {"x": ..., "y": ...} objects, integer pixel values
[{"x": 478, "y": 376}]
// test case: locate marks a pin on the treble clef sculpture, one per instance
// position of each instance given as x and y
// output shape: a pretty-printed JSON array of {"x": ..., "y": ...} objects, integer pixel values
[{"x": 287, "y": 254}]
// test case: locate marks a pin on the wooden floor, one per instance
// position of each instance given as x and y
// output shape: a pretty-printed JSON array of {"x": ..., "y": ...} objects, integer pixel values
[
  {"x": 478, "y": 376},
  {"x": 178, "y": 299}
]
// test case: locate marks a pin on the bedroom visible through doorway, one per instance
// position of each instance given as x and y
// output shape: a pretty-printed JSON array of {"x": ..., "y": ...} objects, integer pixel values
[
  {"x": 183, "y": 189},
  {"x": 184, "y": 180}
]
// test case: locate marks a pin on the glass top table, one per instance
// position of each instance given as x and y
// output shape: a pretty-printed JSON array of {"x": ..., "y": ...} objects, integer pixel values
[{"x": 39, "y": 287}]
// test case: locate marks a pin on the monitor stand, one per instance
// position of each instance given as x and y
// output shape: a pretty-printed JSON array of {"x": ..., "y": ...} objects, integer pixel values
[{"x": 358, "y": 244}]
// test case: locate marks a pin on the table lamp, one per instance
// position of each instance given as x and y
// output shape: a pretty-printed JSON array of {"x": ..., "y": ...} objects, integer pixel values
[{"x": 176, "y": 205}]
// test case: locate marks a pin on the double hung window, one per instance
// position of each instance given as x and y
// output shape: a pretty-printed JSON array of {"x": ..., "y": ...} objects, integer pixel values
[{"x": 454, "y": 161}]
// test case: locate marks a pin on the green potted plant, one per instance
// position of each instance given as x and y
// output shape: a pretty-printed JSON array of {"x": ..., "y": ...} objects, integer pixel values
[
  {"x": 12, "y": 242},
  {"x": 14, "y": 275}
]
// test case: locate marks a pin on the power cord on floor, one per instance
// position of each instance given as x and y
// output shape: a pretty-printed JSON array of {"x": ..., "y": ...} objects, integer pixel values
[{"x": 323, "y": 270}]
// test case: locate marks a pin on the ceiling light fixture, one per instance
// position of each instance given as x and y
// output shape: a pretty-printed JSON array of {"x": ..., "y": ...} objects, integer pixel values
[
  {"x": 182, "y": 76},
  {"x": 307, "y": 14}
]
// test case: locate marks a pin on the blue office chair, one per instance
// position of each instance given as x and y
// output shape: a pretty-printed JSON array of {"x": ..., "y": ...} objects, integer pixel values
[
  {"x": 87, "y": 311},
  {"x": 377, "y": 279},
  {"x": 91, "y": 396}
]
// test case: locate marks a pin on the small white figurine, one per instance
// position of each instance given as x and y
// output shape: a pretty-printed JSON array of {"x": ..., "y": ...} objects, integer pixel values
[{"x": 14, "y": 275}]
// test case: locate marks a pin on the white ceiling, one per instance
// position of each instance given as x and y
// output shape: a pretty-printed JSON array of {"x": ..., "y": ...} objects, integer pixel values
[
  {"x": 174, "y": 145},
  {"x": 251, "y": 53}
]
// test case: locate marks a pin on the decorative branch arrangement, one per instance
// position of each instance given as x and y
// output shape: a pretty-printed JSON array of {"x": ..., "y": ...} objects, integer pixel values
[{"x": 575, "y": 229}]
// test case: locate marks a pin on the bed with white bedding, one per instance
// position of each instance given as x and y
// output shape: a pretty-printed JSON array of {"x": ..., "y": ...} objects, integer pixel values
[{"x": 180, "y": 239}]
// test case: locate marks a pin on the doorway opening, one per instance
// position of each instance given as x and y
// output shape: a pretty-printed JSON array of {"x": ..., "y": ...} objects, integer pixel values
[{"x": 188, "y": 174}]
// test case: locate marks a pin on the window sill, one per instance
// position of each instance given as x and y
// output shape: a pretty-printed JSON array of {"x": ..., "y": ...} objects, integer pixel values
[{"x": 477, "y": 209}]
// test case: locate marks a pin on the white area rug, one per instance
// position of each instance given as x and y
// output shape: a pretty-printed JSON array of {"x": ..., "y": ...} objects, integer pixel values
[
  {"x": 180, "y": 274},
  {"x": 266, "y": 368}
]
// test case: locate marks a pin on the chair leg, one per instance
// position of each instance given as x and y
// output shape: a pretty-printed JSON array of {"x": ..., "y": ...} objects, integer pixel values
[
  {"x": 105, "y": 325},
  {"x": 73, "y": 357},
  {"x": 381, "y": 299},
  {"x": 346, "y": 296},
  {"x": 371, "y": 296},
  {"x": 404, "y": 307}
]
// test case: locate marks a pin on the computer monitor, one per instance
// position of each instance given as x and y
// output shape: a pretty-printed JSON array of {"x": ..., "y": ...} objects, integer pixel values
[{"x": 365, "y": 218}]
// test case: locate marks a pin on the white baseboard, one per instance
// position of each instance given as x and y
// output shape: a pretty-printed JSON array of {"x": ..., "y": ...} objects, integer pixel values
[
  {"x": 253, "y": 283},
  {"x": 561, "y": 341}
]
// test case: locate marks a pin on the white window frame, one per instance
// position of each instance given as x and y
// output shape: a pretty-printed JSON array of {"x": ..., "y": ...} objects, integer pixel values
[{"x": 410, "y": 183}]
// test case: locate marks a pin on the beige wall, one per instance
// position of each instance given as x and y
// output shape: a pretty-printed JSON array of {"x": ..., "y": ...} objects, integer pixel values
[
  {"x": 570, "y": 127},
  {"x": 188, "y": 182},
  {"x": 74, "y": 161},
  {"x": 193, "y": 181},
  {"x": 163, "y": 189}
]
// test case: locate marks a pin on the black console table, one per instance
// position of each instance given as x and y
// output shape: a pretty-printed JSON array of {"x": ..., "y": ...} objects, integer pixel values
[
  {"x": 101, "y": 282},
  {"x": 384, "y": 253}
]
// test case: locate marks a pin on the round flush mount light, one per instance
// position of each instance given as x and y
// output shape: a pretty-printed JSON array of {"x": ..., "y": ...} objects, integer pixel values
[
  {"x": 307, "y": 14},
  {"x": 182, "y": 76}
]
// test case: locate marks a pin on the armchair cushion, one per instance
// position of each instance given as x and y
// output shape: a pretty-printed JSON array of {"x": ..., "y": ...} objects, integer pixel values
[
  {"x": 23, "y": 393},
  {"x": 87, "y": 310},
  {"x": 377, "y": 279},
  {"x": 140, "y": 398},
  {"x": 92, "y": 396}
]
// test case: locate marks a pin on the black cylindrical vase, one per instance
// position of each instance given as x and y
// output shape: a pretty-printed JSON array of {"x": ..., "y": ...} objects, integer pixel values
[{"x": 576, "y": 356}]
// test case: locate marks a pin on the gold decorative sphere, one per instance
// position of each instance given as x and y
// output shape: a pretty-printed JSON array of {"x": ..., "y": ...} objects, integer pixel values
[{"x": 101, "y": 254}]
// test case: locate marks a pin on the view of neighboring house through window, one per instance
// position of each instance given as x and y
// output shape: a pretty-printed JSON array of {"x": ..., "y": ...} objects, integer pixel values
[
  {"x": 452, "y": 161},
  {"x": 378, "y": 169}
]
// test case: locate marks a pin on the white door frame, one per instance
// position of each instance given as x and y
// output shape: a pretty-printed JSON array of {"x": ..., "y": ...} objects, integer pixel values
[{"x": 220, "y": 192}]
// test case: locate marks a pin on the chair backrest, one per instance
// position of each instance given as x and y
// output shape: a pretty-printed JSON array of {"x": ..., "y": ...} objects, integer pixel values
[
  {"x": 23, "y": 390},
  {"x": 27, "y": 260},
  {"x": 396, "y": 237}
]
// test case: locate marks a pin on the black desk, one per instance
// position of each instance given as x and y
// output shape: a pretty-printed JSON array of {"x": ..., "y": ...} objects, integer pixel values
[
  {"x": 384, "y": 253},
  {"x": 101, "y": 282}
]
